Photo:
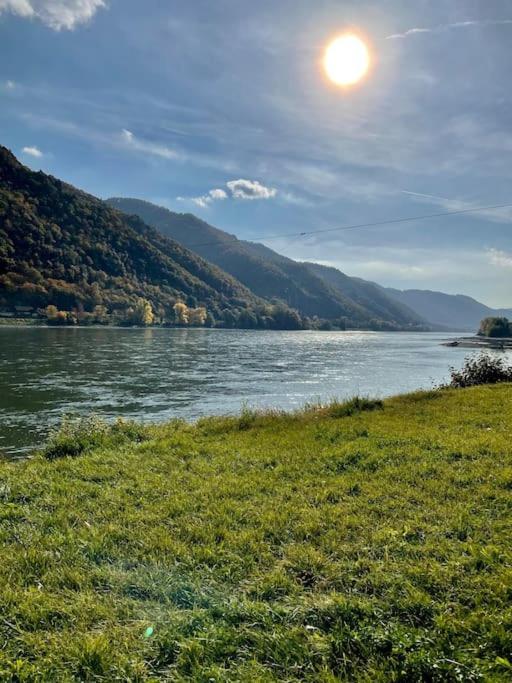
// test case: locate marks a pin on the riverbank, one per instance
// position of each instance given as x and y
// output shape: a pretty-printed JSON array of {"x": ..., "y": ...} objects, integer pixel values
[
  {"x": 482, "y": 343},
  {"x": 364, "y": 541}
]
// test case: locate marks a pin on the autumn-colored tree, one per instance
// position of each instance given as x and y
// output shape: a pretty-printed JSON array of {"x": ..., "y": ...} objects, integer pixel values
[
  {"x": 51, "y": 312},
  {"x": 197, "y": 316},
  {"x": 181, "y": 313},
  {"x": 143, "y": 313}
]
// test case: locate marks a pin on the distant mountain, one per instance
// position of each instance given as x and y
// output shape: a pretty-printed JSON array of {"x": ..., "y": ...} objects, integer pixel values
[
  {"x": 369, "y": 295},
  {"x": 453, "y": 312},
  {"x": 63, "y": 247},
  {"x": 275, "y": 277}
]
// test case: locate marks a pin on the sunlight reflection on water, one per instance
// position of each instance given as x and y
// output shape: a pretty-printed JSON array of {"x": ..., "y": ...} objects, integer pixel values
[{"x": 155, "y": 374}]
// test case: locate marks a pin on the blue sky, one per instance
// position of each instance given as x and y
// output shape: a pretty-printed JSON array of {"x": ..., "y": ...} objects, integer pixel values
[{"x": 222, "y": 109}]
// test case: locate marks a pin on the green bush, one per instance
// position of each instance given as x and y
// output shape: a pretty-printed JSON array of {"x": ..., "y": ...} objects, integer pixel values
[
  {"x": 483, "y": 369},
  {"x": 495, "y": 327}
]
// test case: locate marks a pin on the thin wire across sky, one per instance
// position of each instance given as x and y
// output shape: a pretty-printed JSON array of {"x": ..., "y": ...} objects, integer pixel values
[{"x": 374, "y": 224}]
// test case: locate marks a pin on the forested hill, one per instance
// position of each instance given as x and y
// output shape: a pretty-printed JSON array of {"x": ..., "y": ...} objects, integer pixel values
[
  {"x": 452, "y": 311},
  {"x": 271, "y": 275},
  {"x": 64, "y": 248},
  {"x": 368, "y": 294}
]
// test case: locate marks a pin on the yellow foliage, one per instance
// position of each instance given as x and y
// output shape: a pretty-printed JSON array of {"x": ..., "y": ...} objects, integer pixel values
[
  {"x": 197, "y": 316},
  {"x": 181, "y": 312}
]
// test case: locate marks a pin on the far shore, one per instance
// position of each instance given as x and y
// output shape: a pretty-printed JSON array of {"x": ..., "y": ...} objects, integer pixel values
[{"x": 475, "y": 342}]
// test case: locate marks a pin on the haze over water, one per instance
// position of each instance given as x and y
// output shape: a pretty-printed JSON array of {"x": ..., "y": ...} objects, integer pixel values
[{"x": 157, "y": 374}]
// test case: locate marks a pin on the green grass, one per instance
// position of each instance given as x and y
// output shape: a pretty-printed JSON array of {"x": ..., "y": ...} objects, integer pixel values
[{"x": 357, "y": 542}]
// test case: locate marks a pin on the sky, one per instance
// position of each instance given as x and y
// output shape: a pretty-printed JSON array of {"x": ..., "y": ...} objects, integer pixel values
[{"x": 223, "y": 109}]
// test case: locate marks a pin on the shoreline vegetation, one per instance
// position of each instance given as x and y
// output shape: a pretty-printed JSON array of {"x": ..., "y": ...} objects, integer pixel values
[
  {"x": 364, "y": 540},
  {"x": 483, "y": 343},
  {"x": 494, "y": 333}
]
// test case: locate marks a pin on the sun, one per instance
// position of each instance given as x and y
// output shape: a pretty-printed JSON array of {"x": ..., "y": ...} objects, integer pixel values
[{"x": 346, "y": 60}]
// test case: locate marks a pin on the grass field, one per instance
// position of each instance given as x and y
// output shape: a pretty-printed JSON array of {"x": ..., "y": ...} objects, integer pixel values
[{"x": 360, "y": 542}]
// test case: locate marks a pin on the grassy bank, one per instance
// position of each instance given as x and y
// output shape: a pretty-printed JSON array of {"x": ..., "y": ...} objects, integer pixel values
[
  {"x": 357, "y": 543},
  {"x": 20, "y": 322}
]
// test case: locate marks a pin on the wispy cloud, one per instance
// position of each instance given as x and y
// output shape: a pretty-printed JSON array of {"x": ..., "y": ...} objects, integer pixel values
[
  {"x": 32, "y": 152},
  {"x": 10, "y": 85},
  {"x": 152, "y": 148},
  {"x": 448, "y": 27},
  {"x": 250, "y": 189},
  {"x": 500, "y": 258},
  {"x": 57, "y": 14},
  {"x": 501, "y": 215}
]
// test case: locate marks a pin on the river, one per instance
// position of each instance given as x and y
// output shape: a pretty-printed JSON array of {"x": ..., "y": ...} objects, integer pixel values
[{"x": 155, "y": 374}]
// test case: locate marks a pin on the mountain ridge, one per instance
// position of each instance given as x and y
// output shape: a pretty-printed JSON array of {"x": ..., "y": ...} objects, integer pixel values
[
  {"x": 63, "y": 247},
  {"x": 452, "y": 311},
  {"x": 269, "y": 274}
]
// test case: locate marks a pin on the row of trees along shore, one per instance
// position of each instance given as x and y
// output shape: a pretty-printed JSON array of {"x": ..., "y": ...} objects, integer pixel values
[
  {"x": 495, "y": 327},
  {"x": 140, "y": 314},
  {"x": 143, "y": 314}
]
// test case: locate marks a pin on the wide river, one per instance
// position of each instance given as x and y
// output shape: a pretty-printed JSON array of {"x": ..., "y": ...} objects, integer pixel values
[{"x": 155, "y": 374}]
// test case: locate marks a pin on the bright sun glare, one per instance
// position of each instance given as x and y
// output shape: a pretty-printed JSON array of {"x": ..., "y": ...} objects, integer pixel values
[{"x": 346, "y": 60}]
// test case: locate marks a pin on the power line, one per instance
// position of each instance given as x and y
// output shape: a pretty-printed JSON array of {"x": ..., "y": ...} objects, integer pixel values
[{"x": 357, "y": 226}]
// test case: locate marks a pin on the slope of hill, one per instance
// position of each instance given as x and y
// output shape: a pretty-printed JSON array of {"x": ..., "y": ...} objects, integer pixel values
[
  {"x": 367, "y": 294},
  {"x": 271, "y": 275},
  {"x": 454, "y": 312},
  {"x": 63, "y": 247}
]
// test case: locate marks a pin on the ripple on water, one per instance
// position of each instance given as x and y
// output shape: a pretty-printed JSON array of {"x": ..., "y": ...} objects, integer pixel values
[{"x": 157, "y": 374}]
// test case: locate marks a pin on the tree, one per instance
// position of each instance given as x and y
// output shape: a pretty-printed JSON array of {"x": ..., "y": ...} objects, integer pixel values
[
  {"x": 210, "y": 320},
  {"x": 197, "y": 316},
  {"x": 495, "y": 327},
  {"x": 247, "y": 320},
  {"x": 143, "y": 313},
  {"x": 51, "y": 312},
  {"x": 181, "y": 313},
  {"x": 100, "y": 315}
]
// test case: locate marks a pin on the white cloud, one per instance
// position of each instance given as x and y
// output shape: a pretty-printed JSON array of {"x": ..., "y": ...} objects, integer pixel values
[
  {"x": 152, "y": 148},
  {"x": 448, "y": 27},
  {"x": 21, "y": 7},
  {"x": 218, "y": 194},
  {"x": 10, "y": 85},
  {"x": 205, "y": 200},
  {"x": 239, "y": 189},
  {"x": 33, "y": 152},
  {"x": 250, "y": 189},
  {"x": 57, "y": 14},
  {"x": 500, "y": 258}
]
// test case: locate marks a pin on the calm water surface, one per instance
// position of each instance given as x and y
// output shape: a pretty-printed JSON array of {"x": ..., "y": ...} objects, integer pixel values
[{"x": 156, "y": 374}]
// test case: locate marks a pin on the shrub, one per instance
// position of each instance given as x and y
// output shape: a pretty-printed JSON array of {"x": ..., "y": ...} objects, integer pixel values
[
  {"x": 77, "y": 435},
  {"x": 352, "y": 406},
  {"x": 483, "y": 369}
]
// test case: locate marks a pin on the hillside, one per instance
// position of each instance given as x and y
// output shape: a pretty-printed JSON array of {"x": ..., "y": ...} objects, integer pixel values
[
  {"x": 62, "y": 247},
  {"x": 343, "y": 544},
  {"x": 367, "y": 295},
  {"x": 271, "y": 275},
  {"x": 454, "y": 312}
]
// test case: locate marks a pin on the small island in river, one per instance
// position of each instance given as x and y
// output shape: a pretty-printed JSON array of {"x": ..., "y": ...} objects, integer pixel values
[{"x": 494, "y": 333}]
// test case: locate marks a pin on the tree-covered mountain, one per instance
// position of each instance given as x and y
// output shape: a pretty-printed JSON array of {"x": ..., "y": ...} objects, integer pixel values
[
  {"x": 273, "y": 276},
  {"x": 369, "y": 295},
  {"x": 453, "y": 312},
  {"x": 63, "y": 248}
]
